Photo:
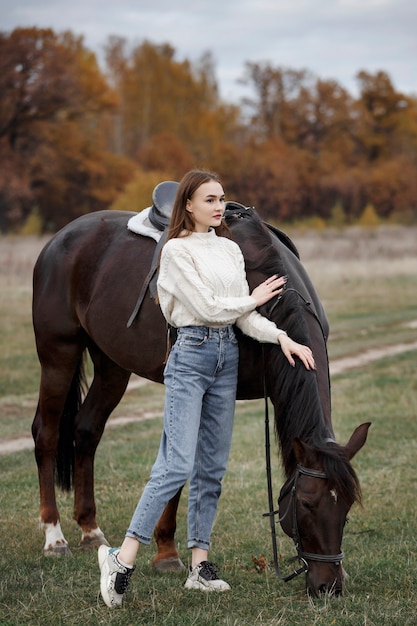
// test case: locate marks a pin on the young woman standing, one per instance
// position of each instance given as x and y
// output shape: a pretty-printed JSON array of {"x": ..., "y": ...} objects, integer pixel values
[{"x": 203, "y": 292}]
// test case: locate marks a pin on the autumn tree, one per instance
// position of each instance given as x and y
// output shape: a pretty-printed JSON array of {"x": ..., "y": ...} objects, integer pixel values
[
  {"x": 265, "y": 176},
  {"x": 383, "y": 110},
  {"x": 73, "y": 137},
  {"x": 341, "y": 148},
  {"x": 52, "y": 99},
  {"x": 387, "y": 134},
  {"x": 169, "y": 109},
  {"x": 275, "y": 89}
]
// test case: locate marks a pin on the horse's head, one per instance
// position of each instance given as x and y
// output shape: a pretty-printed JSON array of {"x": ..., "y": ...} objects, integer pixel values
[{"x": 313, "y": 508}]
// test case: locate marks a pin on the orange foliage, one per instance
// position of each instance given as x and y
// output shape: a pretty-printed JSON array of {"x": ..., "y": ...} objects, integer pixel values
[
  {"x": 72, "y": 137},
  {"x": 52, "y": 99}
]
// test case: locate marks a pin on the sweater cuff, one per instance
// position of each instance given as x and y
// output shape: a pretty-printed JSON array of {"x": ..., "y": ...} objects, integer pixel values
[{"x": 280, "y": 332}]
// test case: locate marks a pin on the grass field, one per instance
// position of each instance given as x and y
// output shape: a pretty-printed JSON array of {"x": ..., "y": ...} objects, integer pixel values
[{"x": 371, "y": 300}]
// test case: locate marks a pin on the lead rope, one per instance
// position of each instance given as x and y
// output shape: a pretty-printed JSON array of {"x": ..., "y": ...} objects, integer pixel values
[{"x": 271, "y": 513}]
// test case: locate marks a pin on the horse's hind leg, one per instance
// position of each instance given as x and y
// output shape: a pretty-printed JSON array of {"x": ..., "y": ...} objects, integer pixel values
[{"x": 61, "y": 365}]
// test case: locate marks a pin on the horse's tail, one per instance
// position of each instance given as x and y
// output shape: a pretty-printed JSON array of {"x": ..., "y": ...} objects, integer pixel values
[{"x": 64, "y": 466}]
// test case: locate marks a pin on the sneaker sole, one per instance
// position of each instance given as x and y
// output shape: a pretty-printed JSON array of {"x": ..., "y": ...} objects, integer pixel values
[{"x": 195, "y": 584}]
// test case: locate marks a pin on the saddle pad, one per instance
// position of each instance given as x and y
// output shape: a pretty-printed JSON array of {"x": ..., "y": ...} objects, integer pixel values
[{"x": 141, "y": 225}]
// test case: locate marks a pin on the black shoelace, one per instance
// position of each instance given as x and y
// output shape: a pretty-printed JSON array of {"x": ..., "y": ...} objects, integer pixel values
[
  {"x": 208, "y": 570},
  {"x": 122, "y": 581}
]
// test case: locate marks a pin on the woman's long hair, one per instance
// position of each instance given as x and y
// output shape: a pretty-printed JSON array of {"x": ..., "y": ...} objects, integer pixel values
[{"x": 181, "y": 219}]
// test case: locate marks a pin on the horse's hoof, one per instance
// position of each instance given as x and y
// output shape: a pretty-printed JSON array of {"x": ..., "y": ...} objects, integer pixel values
[
  {"x": 57, "y": 551},
  {"x": 172, "y": 564},
  {"x": 94, "y": 539}
]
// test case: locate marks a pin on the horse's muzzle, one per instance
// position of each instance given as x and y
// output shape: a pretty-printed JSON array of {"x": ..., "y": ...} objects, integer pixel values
[{"x": 320, "y": 581}]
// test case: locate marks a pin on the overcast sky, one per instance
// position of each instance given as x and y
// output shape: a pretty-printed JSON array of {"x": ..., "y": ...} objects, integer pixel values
[{"x": 332, "y": 38}]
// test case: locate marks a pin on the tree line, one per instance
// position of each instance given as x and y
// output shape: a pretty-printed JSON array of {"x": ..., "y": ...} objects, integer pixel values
[{"x": 76, "y": 138}]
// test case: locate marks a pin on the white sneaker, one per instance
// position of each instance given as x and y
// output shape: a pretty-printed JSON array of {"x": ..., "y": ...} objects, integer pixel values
[
  {"x": 204, "y": 577},
  {"x": 114, "y": 579}
]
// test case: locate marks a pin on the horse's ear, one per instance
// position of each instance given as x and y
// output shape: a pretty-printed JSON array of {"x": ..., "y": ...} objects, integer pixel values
[
  {"x": 357, "y": 440},
  {"x": 302, "y": 452}
]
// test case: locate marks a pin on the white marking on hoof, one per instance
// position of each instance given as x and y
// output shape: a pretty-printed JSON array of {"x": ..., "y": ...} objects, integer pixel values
[
  {"x": 55, "y": 542},
  {"x": 93, "y": 539}
]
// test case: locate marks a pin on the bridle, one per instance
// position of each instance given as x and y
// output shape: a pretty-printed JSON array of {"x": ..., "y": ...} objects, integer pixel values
[
  {"x": 291, "y": 489},
  {"x": 292, "y": 486}
]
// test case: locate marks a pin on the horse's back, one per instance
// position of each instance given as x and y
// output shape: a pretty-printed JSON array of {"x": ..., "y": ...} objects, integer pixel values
[
  {"x": 71, "y": 261},
  {"x": 83, "y": 237},
  {"x": 88, "y": 277}
]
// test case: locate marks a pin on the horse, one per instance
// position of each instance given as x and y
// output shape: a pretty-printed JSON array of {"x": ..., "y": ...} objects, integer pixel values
[{"x": 85, "y": 285}]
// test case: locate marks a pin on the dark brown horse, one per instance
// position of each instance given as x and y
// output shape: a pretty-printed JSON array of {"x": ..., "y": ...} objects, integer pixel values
[{"x": 86, "y": 282}]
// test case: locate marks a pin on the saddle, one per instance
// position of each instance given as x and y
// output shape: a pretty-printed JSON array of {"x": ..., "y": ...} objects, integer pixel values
[{"x": 163, "y": 197}]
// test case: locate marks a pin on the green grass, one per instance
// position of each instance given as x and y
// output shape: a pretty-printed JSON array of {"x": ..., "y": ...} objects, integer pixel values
[
  {"x": 380, "y": 539},
  {"x": 369, "y": 311}
]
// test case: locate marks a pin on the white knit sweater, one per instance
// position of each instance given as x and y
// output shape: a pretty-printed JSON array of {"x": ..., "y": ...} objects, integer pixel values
[{"x": 202, "y": 282}]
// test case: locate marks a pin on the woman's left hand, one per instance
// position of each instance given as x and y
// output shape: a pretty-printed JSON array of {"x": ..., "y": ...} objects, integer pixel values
[{"x": 290, "y": 347}]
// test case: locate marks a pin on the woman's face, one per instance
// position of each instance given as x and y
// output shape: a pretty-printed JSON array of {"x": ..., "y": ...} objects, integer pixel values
[{"x": 207, "y": 206}]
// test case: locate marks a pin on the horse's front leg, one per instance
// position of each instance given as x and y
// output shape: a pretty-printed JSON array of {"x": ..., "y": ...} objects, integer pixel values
[
  {"x": 84, "y": 502},
  {"x": 167, "y": 559},
  {"x": 90, "y": 424}
]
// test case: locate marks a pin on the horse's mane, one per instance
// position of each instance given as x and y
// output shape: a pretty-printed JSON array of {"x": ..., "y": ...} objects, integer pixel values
[{"x": 293, "y": 390}]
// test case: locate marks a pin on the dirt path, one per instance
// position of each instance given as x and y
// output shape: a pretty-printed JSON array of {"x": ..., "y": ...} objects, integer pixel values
[{"x": 337, "y": 366}]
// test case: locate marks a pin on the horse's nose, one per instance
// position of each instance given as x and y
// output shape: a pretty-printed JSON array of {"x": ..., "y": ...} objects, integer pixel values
[{"x": 333, "y": 589}]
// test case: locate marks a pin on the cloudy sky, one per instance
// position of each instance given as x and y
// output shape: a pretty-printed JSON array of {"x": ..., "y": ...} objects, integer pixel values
[{"x": 332, "y": 38}]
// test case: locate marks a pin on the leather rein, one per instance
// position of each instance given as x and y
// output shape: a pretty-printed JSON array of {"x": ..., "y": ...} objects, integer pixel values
[{"x": 291, "y": 489}]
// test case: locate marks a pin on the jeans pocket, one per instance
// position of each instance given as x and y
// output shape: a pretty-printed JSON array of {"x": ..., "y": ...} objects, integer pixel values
[{"x": 192, "y": 338}]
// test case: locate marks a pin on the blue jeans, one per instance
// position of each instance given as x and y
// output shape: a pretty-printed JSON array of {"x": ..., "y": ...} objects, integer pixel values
[{"x": 200, "y": 378}]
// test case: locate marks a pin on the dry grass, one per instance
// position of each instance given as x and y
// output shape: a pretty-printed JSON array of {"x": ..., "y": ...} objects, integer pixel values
[
  {"x": 389, "y": 242},
  {"x": 354, "y": 243},
  {"x": 395, "y": 245},
  {"x": 17, "y": 258}
]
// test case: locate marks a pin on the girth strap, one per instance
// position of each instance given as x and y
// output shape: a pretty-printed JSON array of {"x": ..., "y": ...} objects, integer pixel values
[{"x": 150, "y": 280}]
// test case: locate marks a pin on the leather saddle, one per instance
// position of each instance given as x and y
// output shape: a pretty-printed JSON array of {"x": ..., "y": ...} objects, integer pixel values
[{"x": 163, "y": 197}]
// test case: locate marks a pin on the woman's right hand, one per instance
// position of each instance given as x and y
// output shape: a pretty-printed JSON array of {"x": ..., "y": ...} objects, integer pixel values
[{"x": 267, "y": 290}]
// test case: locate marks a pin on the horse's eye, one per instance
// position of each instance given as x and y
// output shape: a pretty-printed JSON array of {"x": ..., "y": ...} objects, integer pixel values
[{"x": 306, "y": 505}]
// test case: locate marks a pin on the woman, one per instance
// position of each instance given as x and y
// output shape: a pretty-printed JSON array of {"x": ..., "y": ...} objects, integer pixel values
[{"x": 202, "y": 291}]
